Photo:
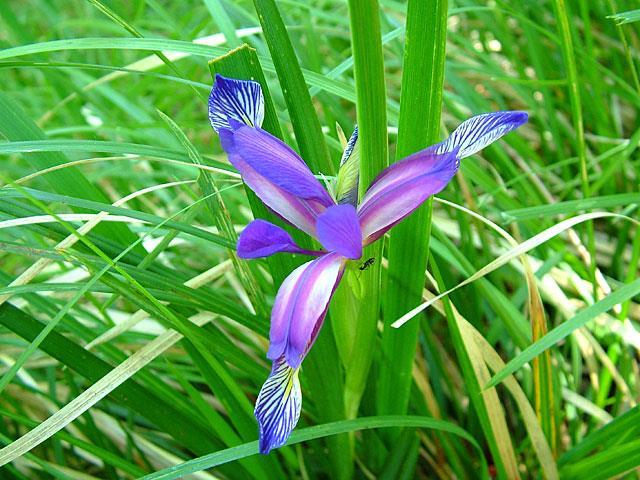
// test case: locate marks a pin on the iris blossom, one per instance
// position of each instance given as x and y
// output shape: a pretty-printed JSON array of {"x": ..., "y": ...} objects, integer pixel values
[{"x": 282, "y": 180}]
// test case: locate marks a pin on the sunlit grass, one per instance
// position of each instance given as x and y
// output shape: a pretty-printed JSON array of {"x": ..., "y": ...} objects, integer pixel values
[{"x": 133, "y": 340}]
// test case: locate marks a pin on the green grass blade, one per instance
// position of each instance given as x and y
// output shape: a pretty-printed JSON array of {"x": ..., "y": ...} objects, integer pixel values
[
  {"x": 627, "y": 424},
  {"x": 16, "y": 126},
  {"x": 626, "y": 17},
  {"x": 568, "y": 54},
  {"x": 319, "y": 431},
  {"x": 222, "y": 219},
  {"x": 130, "y": 393},
  {"x": 609, "y": 463},
  {"x": 221, "y": 18},
  {"x": 306, "y": 125},
  {"x": 419, "y": 126},
  {"x": 563, "y": 330},
  {"x": 366, "y": 39},
  {"x": 342, "y": 89},
  {"x": 486, "y": 407}
]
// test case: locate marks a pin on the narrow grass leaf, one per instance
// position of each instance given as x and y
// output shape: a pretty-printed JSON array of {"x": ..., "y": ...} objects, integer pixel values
[{"x": 319, "y": 431}]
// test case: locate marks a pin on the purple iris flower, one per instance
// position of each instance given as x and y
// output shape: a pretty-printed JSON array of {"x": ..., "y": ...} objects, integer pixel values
[{"x": 341, "y": 225}]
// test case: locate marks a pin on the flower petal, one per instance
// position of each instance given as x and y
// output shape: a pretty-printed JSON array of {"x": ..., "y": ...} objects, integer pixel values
[
  {"x": 299, "y": 212},
  {"x": 301, "y": 305},
  {"x": 275, "y": 161},
  {"x": 262, "y": 239},
  {"x": 240, "y": 100},
  {"x": 403, "y": 187},
  {"x": 477, "y": 132},
  {"x": 349, "y": 173},
  {"x": 339, "y": 231},
  {"x": 278, "y": 405}
]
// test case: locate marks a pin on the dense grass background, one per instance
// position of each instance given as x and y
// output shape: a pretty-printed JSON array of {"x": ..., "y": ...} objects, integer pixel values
[{"x": 133, "y": 340}]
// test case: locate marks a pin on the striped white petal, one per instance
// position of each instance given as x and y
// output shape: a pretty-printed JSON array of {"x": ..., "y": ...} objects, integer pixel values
[
  {"x": 240, "y": 100},
  {"x": 476, "y": 133},
  {"x": 278, "y": 405}
]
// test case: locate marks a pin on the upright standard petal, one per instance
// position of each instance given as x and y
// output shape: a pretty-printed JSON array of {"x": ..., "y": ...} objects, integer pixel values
[
  {"x": 476, "y": 133},
  {"x": 339, "y": 231},
  {"x": 278, "y": 405},
  {"x": 349, "y": 172},
  {"x": 262, "y": 239},
  {"x": 275, "y": 161},
  {"x": 300, "y": 307},
  {"x": 403, "y": 187},
  {"x": 240, "y": 100}
]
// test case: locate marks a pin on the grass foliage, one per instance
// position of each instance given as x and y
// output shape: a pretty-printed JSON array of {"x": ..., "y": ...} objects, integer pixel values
[{"x": 133, "y": 340}]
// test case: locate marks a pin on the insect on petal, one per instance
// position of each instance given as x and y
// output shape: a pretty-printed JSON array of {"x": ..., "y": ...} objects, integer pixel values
[
  {"x": 278, "y": 405},
  {"x": 301, "y": 305},
  {"x": 477, "y": 132},
  {"x": 262, "y": 239},
  {"x": 240, "y": 100}
]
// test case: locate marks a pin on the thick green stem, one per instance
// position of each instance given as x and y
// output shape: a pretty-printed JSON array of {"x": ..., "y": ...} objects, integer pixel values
[{"x": 372, "y": 125}]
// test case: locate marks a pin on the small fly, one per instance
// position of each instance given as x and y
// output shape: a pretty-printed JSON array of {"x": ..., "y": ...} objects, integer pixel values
[{"x": 367, "y": 263}]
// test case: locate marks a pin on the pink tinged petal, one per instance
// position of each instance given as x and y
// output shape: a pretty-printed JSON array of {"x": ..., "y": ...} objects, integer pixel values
[
  {"x": 402, "y": 188},
  {"x": 339, "y": 231},
  {"x": 477, "y": 132},
  {"x": 298, "y": 212},
  {"x": 239, "y": 100},
  {"x": 301, "y": 305},
  {"x": 278, "y": 406},
  {"x": 262, "y": 239},
  {"x": 275, "y": 161}
]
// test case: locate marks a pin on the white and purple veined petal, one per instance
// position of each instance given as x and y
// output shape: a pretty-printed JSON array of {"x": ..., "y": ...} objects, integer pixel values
[
  {"x": 278, "y": 405},
  {"x": 403, "y": 187},
  {"x": 339, "y": 231},
  {"x": 239, "y": 100},
  {"x": 262, "y": 239},
  {"x": 474, "y": 134},
  {"x": 301, "y": 306},
  {"x": 275, "y": 161}
]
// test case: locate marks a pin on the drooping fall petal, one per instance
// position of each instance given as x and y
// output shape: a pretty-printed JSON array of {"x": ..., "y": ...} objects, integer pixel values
[
  {"x": 403, "y": 187},
  {"x": 339, "y": 231},
  {"x": 301, "y": 305},
  {"x": 274, "y": 160},
  {"x": 240, "y": 100},
  {"x": 474, "y": 134},
  {"x": 278, "y": 405},
  {"x": 288, "y": 206},
  {"x": 262, "y": 239}
]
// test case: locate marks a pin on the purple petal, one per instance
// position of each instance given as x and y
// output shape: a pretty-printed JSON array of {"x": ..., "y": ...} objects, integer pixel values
[
  {"x": 402, "y": 188},
  {"x": 262, "y": 239},
  {"x": 278, "y": 405},
  {"x": 301, "y": 305},
  {"x": 275, "y": 161},
  {"x": 239, "y": 100},
  {"x": 477, "y": 132},
  {"x": 339, "y": 231},
  {"x": 298, "y": 212}
]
